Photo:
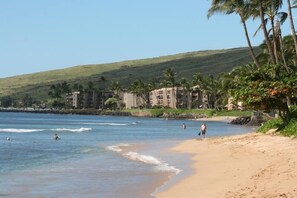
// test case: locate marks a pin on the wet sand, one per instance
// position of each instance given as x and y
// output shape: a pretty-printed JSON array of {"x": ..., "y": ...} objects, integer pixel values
[{"x": 250, "y": 165}]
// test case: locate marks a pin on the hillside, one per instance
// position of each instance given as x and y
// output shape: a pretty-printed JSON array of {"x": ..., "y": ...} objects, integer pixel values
[{"x": 185, "y": 65}]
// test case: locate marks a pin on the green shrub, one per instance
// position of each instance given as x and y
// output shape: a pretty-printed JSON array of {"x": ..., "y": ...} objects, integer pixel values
[
  {"x": 290, "y": 129},
  {"x": 157, "y": 112},
  {"x": 271, "y": 124},
  {"x": 234, "y": 113}
]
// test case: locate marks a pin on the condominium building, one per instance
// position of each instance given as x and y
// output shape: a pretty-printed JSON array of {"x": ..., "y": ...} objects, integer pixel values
[
  {"x": 166, "y": 97},
  {"x": 89, "y": 99},
  {"x": 133, "y": 101},
  {"x": 179, "y": 97}
]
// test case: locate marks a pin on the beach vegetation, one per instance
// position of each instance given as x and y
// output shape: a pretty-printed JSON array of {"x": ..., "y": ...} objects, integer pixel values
[
  {"x": 267, "y": 84},
  {"x": 286, "y": 129},
  {"x": 233, "y": 113}
]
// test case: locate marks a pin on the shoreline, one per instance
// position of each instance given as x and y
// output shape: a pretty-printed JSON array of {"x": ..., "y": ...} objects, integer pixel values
[{"x": 249, "y": 165}]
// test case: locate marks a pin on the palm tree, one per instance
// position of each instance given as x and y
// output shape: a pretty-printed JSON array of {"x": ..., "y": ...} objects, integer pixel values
[
  {"x": 198, "y": 84},
  {"x": 140, "y": 89},
  {"x": 257, "y": 9},
  {"x": 272, "y": 11},
  {"x": 115, "y": 87},
  {"x": 239, "y": 7},
  {"x": 169, "y": 77},
  {"x": 292, "y": 22},
  {"x": 187, "y": 91},
  {"x": 169, "y": 81},
  {"x": 90, "y": 86}
]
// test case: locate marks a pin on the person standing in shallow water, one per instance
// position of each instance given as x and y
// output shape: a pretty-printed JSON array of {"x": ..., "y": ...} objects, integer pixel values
[
  {"x": 184, "y": 126},
  {"x": 203, "y": 129}
]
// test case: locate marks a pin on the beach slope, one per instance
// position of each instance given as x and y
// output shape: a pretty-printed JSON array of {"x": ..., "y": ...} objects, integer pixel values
[{"x": 250, "y": 165}]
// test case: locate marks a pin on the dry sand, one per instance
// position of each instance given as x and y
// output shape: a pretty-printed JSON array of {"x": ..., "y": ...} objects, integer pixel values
[{"x": 251, "y": 165}]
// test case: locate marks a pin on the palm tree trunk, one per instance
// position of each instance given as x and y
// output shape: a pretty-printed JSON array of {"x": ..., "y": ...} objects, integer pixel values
[
  {"x": 263, "y": 24},
  {"x": 292, "y": 25},
  {"x": 274, "y": 39},
  {"x": 189, "y": 99},
  {"x": 249, "y": 43},
  {"x": 283, "y": 53}
]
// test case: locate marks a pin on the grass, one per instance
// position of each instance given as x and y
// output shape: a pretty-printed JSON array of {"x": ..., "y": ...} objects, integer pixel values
[
  {"x": 185, "y": 65},
  {"x": 234, "y": 113}
]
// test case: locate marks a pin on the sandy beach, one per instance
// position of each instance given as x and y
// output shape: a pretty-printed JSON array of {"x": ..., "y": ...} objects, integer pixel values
[{"x": 250, "y": 165}]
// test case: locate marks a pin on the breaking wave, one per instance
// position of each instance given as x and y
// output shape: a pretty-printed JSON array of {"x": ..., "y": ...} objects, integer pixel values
[
  {"x": 73, "y": 130},
  {"x": 116, "y": 148},
  {"x": 109, "y": 123},
  {"x": 160, "y": 165},
  {"x": 147, "y": 159},
  {"x": 12, "y": 130}
]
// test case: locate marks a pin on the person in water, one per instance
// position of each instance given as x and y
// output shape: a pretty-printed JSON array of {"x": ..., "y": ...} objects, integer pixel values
[
  {"x": 203, "y": 129},
  {"x": 184, "y": 126},
  {"x": 56, "y": 137}
]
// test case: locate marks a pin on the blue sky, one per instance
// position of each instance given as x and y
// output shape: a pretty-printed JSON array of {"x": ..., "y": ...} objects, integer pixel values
[{"x": 41, "y": 35}]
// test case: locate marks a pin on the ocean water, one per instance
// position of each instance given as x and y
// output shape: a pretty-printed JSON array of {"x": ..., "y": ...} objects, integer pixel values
[{"x": 97, "y": 156}]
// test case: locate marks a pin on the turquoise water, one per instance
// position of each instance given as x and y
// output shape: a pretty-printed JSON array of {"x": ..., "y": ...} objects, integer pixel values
[{"x": 97, "y": 156}]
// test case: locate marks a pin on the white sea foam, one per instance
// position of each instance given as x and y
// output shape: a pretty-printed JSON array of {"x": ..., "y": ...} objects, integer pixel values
[
  {"x": 167, "y": 167},
  {"x": 73, "y": 130},
  {"x": 107, "y": 123},
  {"x": 142, "y": 158},
  {"x": 116, "y": 148},
  {"x": 87, "y": 150},
  {"x": 12, "y": 130},
  {"x": 160, "y": 165}
]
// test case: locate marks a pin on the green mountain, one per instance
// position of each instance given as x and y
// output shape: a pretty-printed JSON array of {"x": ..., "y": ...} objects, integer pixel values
[{"x": 185, "y": 65}]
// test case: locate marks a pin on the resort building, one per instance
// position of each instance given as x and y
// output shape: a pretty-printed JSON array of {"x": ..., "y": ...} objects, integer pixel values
[
  {"x": 179, "y": 97},
  {"x": 132, "y": 101},
  {"x": 166, "y": 97},
  {"x": 233, "y": 105},
  {"x": 89, "y": 99}
]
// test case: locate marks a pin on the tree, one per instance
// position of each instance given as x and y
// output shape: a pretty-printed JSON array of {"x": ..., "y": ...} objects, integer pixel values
[
  {"x": 27, "y": 100},
  {"x": 65, "y": 88},
  {"x": 6, "y": 101},
  {"x": 169, "y": 78},
  {"x": 140, "y": 89},
  {"x": 115, "y": 87},
  {"x": 292, "y": 22},
  {"x": 257, "y": 9},
  {"x": 169, "y": 81},
  {"x": 239, "y": 7},
  {"x": 266, "y": 89},
  {"x": 187, "y": 91},
  {"x": 111, "y": 103}
]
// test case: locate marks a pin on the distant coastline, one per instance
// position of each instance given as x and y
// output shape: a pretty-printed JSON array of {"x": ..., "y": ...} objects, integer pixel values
[
  {"x": 239, "y": 120},
  {"x": 66, "y": 111}
]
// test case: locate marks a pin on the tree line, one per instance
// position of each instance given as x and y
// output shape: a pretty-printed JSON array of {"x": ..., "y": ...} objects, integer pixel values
[{"x": 269, "y": 82}]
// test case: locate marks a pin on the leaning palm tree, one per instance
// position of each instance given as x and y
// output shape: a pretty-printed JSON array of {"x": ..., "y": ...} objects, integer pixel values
[
  {"x": 239, "y": 7},
  {"x": 276, "y": 19},
  {"x": 257, "y": 10},
  {"x": 292, "y": 22}
]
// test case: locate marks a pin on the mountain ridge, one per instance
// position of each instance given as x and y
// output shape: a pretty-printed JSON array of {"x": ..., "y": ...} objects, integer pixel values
[{"x": 184, "y": 64}]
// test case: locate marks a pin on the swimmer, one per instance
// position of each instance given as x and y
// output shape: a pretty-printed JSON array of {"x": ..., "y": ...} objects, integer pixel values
[{"x": 56, "y": 137}]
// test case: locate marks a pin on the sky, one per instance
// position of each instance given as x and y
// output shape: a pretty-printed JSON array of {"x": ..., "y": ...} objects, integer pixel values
[{"x": 42, "y": 35}]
